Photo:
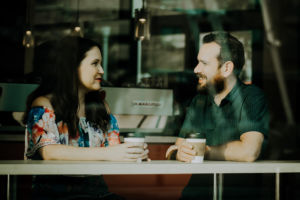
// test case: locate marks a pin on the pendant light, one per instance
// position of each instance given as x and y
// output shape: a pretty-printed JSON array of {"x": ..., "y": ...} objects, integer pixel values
[
  {"x": 28, "y": 38},
  {"x": 76, "y": 30},
  {"x": 142, "y": 23}
]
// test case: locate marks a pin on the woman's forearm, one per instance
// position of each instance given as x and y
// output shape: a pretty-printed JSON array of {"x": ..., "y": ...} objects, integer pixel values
[
  {"x": 120, "y": 152},
  {"x": 64, "y": 152}
]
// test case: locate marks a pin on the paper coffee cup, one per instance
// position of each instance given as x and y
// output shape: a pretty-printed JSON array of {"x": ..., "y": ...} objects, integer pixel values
[
  {"x": 134, "y": 139},
  {"x": 199, "y": 146}
]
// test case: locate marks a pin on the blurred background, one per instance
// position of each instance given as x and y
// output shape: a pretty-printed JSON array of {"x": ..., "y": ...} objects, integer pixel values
[
  {"x": 161, "y": 53},
  {"x": 153, "y": 44}
]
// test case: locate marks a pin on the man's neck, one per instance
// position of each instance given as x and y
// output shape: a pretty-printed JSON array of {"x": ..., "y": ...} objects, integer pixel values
[{"x": 229, "y": 84}]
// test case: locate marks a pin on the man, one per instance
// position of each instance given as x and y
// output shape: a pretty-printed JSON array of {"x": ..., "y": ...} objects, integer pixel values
[{"x": 234, "y": 116}]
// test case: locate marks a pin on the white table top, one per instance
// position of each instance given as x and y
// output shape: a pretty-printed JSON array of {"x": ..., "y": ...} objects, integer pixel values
[{"x": 30, "y": 167}]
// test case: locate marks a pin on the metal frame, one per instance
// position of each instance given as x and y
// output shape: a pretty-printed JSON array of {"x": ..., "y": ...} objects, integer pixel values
[{"x": 217, "y": 168}]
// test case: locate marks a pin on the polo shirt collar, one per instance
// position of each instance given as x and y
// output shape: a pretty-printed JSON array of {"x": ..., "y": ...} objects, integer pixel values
[
  {"x": 230, "y": 96},
  {"x": 234, "y": 92}
]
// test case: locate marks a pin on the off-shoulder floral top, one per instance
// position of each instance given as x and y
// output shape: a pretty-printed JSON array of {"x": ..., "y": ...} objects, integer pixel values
[{"x": 43, "y": 129}]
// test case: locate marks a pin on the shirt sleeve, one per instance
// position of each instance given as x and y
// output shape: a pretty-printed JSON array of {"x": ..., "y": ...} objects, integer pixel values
[
  {"x": 41, "y": 130},
  {"x": 255, "y": 114}
]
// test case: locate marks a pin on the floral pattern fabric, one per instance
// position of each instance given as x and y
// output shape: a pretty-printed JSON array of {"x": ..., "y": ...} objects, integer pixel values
[{"x": 42, "y": 129}]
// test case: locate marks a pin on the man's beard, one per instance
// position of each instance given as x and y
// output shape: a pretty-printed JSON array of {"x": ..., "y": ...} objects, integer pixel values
[{"x": 216, "y": 86}]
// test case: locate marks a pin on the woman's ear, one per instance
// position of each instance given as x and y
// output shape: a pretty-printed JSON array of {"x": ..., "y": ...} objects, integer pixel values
[{"x": 227, "y": 68}]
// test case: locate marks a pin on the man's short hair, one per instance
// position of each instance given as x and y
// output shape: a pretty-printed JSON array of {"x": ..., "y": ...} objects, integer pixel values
[{"x": 231, "y": 49}]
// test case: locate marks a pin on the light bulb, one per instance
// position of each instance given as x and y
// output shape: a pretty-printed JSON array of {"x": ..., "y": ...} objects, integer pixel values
[
  {"x": 142, "y": 20},
  {"x": 77, "y": 31},
  {"x": 28, "y": 39},
  {"x": 142, "y": 24}
]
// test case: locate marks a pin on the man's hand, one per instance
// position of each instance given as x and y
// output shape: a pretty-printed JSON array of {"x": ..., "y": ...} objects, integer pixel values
[
  {"x": 171, "y": 153},
  {"x": 185, "y": 152}
]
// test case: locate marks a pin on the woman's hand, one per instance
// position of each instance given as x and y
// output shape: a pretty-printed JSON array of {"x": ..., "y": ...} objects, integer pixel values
[{"x": 130, "y": 151}]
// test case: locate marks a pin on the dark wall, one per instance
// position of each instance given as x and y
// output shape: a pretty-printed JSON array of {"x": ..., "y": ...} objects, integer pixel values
[{"x": 12, "y": 21}]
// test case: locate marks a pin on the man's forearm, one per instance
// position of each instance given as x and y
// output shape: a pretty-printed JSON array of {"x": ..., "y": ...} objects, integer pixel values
[
  {"x": 232, "y": 151},
  {"x": 247, "y": 149}
]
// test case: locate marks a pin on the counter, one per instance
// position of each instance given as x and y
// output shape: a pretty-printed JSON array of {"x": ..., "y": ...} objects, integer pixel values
[
  {"x": 217, "y": 168},
  {"x": 42, "y": 167}
]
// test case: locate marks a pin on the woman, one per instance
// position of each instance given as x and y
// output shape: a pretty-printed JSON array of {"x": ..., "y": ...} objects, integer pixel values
[{"x": 67, "y": 119}]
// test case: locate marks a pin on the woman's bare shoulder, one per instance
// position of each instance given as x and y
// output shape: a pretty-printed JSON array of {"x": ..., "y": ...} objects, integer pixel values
[{"x": 42, "y": 101}]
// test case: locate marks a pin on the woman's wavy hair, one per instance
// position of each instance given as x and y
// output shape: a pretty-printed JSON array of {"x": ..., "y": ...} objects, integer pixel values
[{"x": 59, "y": 61}]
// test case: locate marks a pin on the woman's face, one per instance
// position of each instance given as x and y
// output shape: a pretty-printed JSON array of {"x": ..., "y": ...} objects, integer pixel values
[{"x": 90, "y": 70}]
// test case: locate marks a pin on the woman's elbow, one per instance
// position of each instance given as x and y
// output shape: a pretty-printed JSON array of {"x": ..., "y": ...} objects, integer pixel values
[{"x": 45, "y": 153}]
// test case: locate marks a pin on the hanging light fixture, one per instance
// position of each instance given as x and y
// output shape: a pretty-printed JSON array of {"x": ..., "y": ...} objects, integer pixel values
[
  {"x": 28, "y": 38},
  {"x": 142, "y": 23},
  {"x": 76, "y": 30}
]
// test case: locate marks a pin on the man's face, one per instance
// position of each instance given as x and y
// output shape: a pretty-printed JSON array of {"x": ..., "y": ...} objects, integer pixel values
[{"x": 208, "y": 68}]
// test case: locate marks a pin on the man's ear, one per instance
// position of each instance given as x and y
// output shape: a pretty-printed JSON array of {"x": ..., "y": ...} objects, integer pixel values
[{"x": 227, "y": 68}]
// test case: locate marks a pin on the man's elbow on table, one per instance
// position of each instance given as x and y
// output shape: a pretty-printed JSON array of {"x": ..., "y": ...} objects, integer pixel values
[
  {"x": 252, "y": 142},
  {"x": 247, "y": 149},
  {"x": 243, "y": 155},
  {"x": 251, "y": 156}
]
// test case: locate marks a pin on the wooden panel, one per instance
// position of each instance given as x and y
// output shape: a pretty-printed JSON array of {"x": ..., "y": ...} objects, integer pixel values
[
  {"x": 157, "y": 151},
  {"x": 147, "y": 186},
  {"x": 11, "y": 150}
]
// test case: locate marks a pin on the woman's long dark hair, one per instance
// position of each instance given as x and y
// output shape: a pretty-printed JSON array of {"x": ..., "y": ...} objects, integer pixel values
[{"x": 60, "y": 63}]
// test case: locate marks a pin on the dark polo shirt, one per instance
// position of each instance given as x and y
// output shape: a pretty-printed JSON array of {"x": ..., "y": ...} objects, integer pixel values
[{"x": 244, "y": 109}]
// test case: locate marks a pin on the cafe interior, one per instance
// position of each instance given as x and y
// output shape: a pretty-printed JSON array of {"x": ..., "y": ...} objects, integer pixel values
[{"x": 149, "y": 51}]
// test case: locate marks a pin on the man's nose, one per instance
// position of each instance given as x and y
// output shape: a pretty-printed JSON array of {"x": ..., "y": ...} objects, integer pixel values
[{"x": 197, "y": 69}]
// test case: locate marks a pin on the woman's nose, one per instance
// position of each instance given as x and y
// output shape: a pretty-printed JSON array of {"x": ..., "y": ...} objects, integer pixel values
[{"x": 100, "y": 69}]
